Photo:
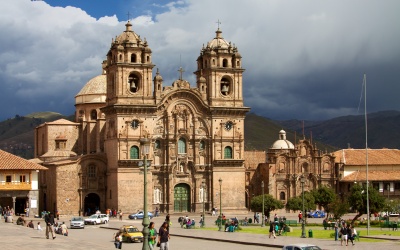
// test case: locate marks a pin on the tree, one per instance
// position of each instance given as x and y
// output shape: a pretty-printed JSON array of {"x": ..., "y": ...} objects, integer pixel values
[
  {"x": 296, "y": 203},
  {"x": 358, "y": 200},
  {"x": 270, "y": 204},
  {"x": 324, "y": 196},
  {"x": 338, "y": 207}
]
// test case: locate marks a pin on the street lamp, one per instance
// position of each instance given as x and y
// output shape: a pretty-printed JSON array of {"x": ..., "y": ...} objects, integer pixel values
[
  {"x": 220, "y": 204},
  {"x": 145, "y": 147},
  {"x": 203, "y": 224},
  {"x": 262, "y": 216},
  {"x": 303, "y": 231}
]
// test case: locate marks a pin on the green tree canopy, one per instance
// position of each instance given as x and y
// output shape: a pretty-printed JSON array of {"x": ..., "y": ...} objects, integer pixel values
[
  {"x": 324, "y": 196},
  {"x": 270, "y": 204},
  {"x": 358, "y": 200},
  {"x": 296, "y": 203},
  {"x": 338, "y": 207}
]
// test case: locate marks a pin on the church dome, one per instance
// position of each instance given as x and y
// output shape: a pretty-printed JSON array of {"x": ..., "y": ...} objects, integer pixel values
[
  {"x": 94, "y": 91},
  {"x": 218, "y": 42},
  {"x": 282, "y": 143},
  {"x": 128, "y": 36}
]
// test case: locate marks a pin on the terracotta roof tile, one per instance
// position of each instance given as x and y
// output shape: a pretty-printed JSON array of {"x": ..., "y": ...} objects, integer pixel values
[
  {"x": 373, "y": 175},
  {"x": 10, "y": 161},
  {"x": 375, "y": 156}
]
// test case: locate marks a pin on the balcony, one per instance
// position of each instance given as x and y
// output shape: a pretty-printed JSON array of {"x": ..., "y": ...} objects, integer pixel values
[{"x": 15, "y": 186}]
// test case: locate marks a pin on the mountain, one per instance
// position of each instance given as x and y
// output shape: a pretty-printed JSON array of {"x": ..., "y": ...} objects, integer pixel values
[
  {"x": 17, "y": 134},
  {"x": 349, "y": 131}
]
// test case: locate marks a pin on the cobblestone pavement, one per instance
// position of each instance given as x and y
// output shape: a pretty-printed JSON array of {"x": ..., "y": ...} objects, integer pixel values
[{"x": 100, "y": 237}]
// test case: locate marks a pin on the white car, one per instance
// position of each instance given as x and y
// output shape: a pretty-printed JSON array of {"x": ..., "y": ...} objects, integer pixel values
[
  {"x": 97, "y": 219},
  {"x": 77, "y": 222},
  {"x": 301, "y": 246}
]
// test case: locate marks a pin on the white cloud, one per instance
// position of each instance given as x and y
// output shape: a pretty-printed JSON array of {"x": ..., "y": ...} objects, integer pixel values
[{"x": 297, "y": 54}]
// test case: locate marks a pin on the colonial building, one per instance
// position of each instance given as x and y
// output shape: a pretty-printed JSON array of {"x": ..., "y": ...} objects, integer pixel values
[
  {"x": 383, "y": 170},
  {"x": 196, "y": 134},
  {"x": 19, "y": 187},
  {"x": 286, "y": 163}
]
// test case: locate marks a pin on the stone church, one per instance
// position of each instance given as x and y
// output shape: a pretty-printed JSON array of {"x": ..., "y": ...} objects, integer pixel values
[
  {"x": 287, "y": 163},
  {"x": 196, "y": 135}
]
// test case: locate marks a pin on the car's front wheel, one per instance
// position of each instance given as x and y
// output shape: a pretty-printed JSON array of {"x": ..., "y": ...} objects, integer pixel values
[
  {"x": 94, "y": 223},
  {"x": 129, "y": 240},
  {"x": 134, "y": 217}
]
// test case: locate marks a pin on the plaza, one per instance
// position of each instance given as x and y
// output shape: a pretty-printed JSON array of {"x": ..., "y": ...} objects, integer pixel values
[{"x": 100, "y": 237}]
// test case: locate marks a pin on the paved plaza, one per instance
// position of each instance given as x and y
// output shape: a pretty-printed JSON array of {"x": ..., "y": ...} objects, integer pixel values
[{"x": 100, "y": 237}]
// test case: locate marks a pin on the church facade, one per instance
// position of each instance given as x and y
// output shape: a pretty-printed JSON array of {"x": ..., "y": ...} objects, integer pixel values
[
  {"x": 287, "y": 163},
  {"x": 196, "y": 136}
]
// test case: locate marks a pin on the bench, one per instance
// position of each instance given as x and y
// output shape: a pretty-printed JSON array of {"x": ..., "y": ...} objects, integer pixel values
[
  {"x": 329, "y": 225},
  {"x": 224, "y": 221},
  {"x": 291, "y": 222}
]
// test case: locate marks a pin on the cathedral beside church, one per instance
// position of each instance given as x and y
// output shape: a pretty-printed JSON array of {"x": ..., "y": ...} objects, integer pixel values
[
  {"x": 195, "y": 133},
  {"x": 191, "y": 135}
]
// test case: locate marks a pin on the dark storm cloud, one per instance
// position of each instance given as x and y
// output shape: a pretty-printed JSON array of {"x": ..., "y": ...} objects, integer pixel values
[{"x": 303, "y": 59}]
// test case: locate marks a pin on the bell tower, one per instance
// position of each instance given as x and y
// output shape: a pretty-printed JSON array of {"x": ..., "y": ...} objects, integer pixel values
[
  {"x": 219, "y": 64},
  {"x": 129, "y": 70}
]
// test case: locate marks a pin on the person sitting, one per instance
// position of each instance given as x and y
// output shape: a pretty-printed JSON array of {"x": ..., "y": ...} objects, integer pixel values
[
  {"x": 20, "y": 221},
  {"x": 188, "y": 223},
  {"x": 30, "y": 224},
  {"x": 245, "y": 221}
]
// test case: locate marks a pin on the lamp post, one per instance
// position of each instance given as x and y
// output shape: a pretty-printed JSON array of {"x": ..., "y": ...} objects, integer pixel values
[
  {"x": 303, "y": 231},
  {"x": 262, "y": 216},
  {"x": 145, "y": 143},
  {"x": 388, "y": 188},
  {"x": 220, "y": 204},
  {"x": 203, "y": 224}
]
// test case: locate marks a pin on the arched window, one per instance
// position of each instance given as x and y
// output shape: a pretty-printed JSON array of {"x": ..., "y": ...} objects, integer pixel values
[
  {"x": 213, "y": 61},
  {"x": 225, "y": 86},
  {"x": 282, "y": 196},
  {"x": 133, "y": 58},
  {"x": 91, "y": 171},
  {"x": 93, "y": 115},
  {"x": 182, "y": 146},
  {"x": 120, "y": 57},
  {"x": 133, "y": 82},
  {"x": 225, "y": 63},
  {"x": 134, "y": 153},
  {"x": 157, "y": 144},
  {"x": 228, "y": 153},
  {"x": 148, "y": 59}
]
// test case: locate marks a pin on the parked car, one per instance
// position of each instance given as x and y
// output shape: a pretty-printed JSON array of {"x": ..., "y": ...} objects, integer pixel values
[
  {"x": 139, "y": 215},
  {"x": 77, "y": 222},
  {"x": 131, "y": 234},
  {"x": 97, "y": 219},
  {"x": 301, "y": 246},
  {"x": 316, "y": 214}
]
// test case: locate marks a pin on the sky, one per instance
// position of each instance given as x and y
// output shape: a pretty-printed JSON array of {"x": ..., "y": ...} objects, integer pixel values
[{"x": 304, "y": 59}]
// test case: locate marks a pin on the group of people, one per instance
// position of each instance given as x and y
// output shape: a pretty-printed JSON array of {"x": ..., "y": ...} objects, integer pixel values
[
  {"x": 347, "y": 232},
  {"x": 160, "y": 239}
]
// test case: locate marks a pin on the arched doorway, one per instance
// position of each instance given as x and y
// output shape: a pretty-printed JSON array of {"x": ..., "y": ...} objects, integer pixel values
[
  {"x": 91, "y": 203},
  {"x": 182, "y": 198}
]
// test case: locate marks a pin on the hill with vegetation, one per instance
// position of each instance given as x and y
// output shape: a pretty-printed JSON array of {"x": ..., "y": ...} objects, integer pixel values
[{"x": 17, "y": 134}]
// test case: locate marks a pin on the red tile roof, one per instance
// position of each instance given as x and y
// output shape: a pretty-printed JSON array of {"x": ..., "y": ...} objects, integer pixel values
[
  {"x": 10, "y": 161},
  {"x": 375, "y": 156},
  {"x": 373, "y": 175}
]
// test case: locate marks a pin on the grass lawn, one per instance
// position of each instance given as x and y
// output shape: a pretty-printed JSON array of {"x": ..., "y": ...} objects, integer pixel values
[{"x": 318, "y": 232}]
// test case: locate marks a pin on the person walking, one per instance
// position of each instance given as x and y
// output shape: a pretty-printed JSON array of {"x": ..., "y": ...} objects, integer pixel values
[
  {"x": 152, "y": 236},
  {"x": 118, "y": 240},
  {"x": 272, "y": 230},
  {"x": 163, "y": 238},
  {"x": 49, "y": 219},
  {"x": 300, "y": 216},
  {"x": 344, "y": 233},
  {"x": 351, "y": 234}
]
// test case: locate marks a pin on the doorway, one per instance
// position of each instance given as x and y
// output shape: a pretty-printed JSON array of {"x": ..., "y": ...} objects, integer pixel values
[
  {"x": 91, "y": 204},
  {"x": 182, "y": 198}
]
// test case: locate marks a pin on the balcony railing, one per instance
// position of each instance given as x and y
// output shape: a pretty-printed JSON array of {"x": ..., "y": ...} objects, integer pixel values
[{"x": 15, "y": 186}]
